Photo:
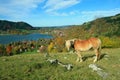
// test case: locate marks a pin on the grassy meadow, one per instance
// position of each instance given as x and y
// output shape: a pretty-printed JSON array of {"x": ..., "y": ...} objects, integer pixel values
[{"x": 34, "y": 66}]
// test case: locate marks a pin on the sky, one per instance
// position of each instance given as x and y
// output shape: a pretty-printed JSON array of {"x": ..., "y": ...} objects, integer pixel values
[{"x": 46, "y": 13}]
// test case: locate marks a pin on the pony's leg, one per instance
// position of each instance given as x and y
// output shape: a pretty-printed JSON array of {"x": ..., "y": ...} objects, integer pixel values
[
  {"x": 97, "y": 55},
  {"x": 68, "y": 47},
  {"x": 79, "y": 58}
]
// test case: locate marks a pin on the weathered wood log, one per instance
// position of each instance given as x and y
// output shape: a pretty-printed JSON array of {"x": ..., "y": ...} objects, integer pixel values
[{"x": 55, "y": 61}]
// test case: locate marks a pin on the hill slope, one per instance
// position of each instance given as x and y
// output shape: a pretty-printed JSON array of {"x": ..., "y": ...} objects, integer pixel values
[
  {"x": 9, "y": 25},
  {"x": 36, "y": 67},
  {"x": 106, "y": 26}
]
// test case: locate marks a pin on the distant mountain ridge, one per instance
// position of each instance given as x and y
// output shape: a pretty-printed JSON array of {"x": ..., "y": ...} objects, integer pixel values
[{"x": 9, "y": 25}]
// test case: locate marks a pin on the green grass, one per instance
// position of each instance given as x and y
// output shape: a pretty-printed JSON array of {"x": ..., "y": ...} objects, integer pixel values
[{"x": 36, "y": 67}]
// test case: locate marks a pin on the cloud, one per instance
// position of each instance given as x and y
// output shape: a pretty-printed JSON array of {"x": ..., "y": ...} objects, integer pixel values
[
  {"x": 26, "y": 3},
  {"x": 70, "y": 13},
  {"x": 101, "y": 13},
  {"x": 85, "y": 16},
  {"x": 54, "y": 5},
  {"x": 16, "y": 8}
]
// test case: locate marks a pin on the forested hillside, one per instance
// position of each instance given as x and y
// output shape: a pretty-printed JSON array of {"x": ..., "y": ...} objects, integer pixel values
[
  {"x": 9, "y": 25},
  {"x": 106, "y": 26}
]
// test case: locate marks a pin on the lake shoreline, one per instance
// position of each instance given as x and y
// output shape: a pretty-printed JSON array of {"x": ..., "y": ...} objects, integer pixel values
[{"x": 6, "y": 39}]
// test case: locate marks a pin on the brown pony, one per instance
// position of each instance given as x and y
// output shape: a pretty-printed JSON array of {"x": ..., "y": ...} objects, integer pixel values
[{"x": 84, "y": 45}]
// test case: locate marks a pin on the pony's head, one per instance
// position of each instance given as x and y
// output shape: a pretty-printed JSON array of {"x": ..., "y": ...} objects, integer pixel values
[{"x": 69, "y": 43}]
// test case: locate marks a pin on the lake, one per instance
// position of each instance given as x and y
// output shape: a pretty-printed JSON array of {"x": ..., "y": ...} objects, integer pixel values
[{"x": 6, "y": 39}]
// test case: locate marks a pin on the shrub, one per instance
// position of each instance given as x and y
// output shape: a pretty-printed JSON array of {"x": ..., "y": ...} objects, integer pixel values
[
  {"x": 59, "y": 44},
  {"x": 15, "y": 50},
  {"x": 116, "y": 42},
  {"x": 2, "y": 50},
  {"x": 107, "y": 42},
  {"x": 50, "y": 47},
  {"x": 9, "y": 49}
]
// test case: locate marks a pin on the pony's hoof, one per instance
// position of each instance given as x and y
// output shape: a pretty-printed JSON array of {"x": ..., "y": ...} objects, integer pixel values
[
  {"x": 81, "y": 60},
  {"x": 94, "y": 61},
  {"x": 77, "y": 60}
]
